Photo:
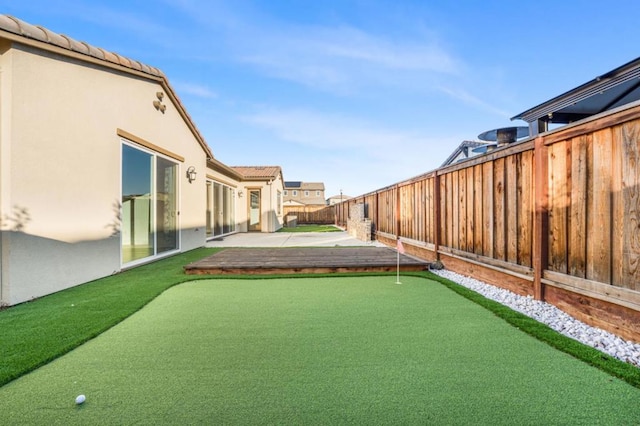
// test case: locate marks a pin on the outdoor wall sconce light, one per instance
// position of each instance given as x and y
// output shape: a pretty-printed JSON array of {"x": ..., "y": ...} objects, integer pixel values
[
  {"x": 191, "y": 174},
  {"x": 240, "y": 194}
]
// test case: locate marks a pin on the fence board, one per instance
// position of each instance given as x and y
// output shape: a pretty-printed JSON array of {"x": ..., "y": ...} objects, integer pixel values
[
  {"x": 599, "y": 207},
  {"x": 487, "y": 211},
  {"x": 511, "y": 208},
  {"x": 525, "y": 208},
  {"x": 631, "y": 202},
  {"x": 455, "y": 211},
  {"x": 444, "y": 223},
  {"x": 617, "y": 208},
  {"x": 558, "y": 207},
  {"x": 477, "y": 209},
  {"x": 470, "y": 210},
  {"x": 578, "y": 212},
  {"x": 499, "y": 225}
]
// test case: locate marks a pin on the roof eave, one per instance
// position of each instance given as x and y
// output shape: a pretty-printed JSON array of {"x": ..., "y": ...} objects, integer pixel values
[
  {"x": 620, "y": 74},
  {"x": 223, "y": 168}
]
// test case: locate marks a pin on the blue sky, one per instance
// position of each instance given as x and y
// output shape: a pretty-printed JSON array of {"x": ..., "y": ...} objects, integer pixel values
[{"x": 355, "y": 94}]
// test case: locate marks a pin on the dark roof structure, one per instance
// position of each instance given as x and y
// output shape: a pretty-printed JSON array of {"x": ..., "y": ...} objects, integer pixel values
[
  {"x": 463, "y": 151},
  {"x": 608, "y": 91}
]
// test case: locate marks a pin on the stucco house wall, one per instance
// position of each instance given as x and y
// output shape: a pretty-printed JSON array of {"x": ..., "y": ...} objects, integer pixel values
[
  {"x": 62, "y": 122},
  {"x": 272, "y": 215}
]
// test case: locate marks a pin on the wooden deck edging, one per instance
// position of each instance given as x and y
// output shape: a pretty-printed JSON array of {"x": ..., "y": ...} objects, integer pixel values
[{"x": 295, "y": 260}]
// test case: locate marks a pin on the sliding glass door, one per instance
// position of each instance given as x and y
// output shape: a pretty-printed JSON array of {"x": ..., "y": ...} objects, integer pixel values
[
  {"x": 149, "y": 204},
  {"x": 221, "y": 212}
]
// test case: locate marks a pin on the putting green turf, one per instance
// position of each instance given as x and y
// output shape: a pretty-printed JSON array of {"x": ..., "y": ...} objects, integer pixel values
[{"x": 346, "y": 350}]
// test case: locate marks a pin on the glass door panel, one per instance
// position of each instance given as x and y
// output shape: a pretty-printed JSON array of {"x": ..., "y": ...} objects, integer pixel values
[
  {"x": 137, "y": 208},
  {"x": 209, "y": 208},
  {"x": 166, "y": 205},
  {"x": 217, "y": 209}
]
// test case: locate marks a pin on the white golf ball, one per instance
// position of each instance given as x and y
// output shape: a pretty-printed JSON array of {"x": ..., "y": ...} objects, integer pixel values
[{"x": 80, "y": 399}]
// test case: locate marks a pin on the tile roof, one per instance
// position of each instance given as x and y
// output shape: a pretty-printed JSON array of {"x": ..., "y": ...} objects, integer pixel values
[
  {"x": 40, "y": 34},
  {"x": 304, "y": 185},
  {"x": 36, "y": 32},
  {"x": 258, "y": 172}
]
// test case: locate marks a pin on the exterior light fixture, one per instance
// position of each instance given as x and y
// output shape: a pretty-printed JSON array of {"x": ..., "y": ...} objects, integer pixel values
[
  {"x": 191, "y": 174},
  {"x": 240, "y": 193}
]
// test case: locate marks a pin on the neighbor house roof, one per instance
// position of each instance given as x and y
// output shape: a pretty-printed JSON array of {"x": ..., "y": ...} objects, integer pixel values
[
  {"x": 316, "y": 186},
  {"x": 258, "y": 172},
  {"x": 18, "y": 31},
  {"x": 462, "y": 152},
  {"x": 613, "y": 89}
]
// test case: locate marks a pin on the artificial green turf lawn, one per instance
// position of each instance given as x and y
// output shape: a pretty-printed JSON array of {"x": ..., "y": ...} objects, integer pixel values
[
  {"x": 34, "y": 333},
  {"x": 310, "y": 228},
  {"x": 340, "y": 350}
]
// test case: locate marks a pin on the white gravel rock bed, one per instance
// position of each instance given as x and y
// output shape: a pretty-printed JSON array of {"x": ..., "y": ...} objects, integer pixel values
[{"x": 553, "y": 317}]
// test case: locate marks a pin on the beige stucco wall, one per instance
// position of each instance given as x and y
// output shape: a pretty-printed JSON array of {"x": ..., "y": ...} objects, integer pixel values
[{"x": 60, "y": 161}]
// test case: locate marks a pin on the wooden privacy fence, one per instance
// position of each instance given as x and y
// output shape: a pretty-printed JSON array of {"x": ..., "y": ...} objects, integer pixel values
[
  {"x": 312, "y": 215},
  {"x": 556, "y": 217}
]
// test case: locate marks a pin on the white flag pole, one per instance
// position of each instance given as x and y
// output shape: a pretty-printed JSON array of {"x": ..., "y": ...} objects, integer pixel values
[{"x": 398, "y": 249}]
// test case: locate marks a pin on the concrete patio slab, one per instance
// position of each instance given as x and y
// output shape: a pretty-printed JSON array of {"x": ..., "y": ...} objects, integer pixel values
[{"x": 291, "y": 239}]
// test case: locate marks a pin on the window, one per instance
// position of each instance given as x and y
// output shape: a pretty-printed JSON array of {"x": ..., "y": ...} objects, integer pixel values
[
  {"x": 306, "y": 193},
  {"x": 286, "y": 193},
  {"x": 317, "y": 193},
  {"x": 149, "y": 204},
  {"x": 279, "y": 202},
  {"x": 295, "y": 193}
]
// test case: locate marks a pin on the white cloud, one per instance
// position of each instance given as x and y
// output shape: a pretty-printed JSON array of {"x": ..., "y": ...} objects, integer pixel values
[
  {"x": 471, "y": 100},
  {"x": 329, "y": 131},
  {"x": 343, "y": 58},
  {"x": 193, "y": 89}
]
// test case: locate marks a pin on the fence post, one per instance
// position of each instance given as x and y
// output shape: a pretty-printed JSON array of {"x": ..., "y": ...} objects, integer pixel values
[
  {"x": 541, "y": 216},
  {"x": 436, "y": 214}
]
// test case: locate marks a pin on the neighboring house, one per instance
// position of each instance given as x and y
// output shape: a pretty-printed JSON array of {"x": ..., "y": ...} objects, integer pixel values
[
  {"x": 465, "y": 150},
  {"x": 304, "y": 193},
  {"x": 337, "y": 199},
  {"x": 101, "y": 167}
]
